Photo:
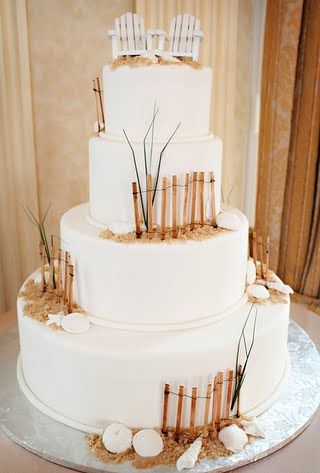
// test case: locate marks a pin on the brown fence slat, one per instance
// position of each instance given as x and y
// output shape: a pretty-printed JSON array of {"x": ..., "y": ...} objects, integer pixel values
[
  {"x": 194, "y": 199},
  {"x": 174, "y": 207},
  {"x": 185, "y": 203},
  {"x": 166, "y": 395},
  {"x": 193, "y": 413},
  {"x": 179, "y": 412},
  {"x": 229, "y": 393},
  {"x": 206, "y": 411},
  {"x": 149, "y": 197},
  {"x": 136, "y": 209},
  {"x": 163, "y": 208},
  {"x": 201, "y": 189},
  {"x": 70, "y": 289}
]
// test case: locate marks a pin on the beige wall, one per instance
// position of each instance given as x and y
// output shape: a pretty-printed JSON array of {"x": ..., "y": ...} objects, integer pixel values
[{"x": 68, "y": 47}]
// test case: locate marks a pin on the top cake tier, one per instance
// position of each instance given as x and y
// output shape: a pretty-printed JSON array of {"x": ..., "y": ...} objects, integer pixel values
[{"x": 182, "y": 94}]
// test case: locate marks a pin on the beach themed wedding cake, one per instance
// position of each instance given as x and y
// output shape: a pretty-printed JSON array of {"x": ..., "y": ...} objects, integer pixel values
[{"x": 152, "y": 324}]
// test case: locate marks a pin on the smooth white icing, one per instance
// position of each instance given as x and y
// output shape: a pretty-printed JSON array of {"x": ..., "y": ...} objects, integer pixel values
[
  {"x": 155, "y": 284},
  {"x": 111, "y": 173},
  {"x": 182, "y": 94},
  {"x": 102, "y": 376}
]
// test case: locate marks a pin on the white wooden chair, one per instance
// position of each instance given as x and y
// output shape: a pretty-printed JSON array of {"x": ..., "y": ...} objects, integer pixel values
[
  {"x": 129, "y": 37},
  {"x": 185, "y": 37}
]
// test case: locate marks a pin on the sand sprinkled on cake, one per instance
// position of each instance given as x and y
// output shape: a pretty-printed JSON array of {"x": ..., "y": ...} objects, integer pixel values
[
  {"x": 173, "y": 449},
  {"x": 200, "y": 233},
  {"x": 39, "y": 304},
  {"x": 140, "y": 61},
  {"x": 276, "y": 297}
]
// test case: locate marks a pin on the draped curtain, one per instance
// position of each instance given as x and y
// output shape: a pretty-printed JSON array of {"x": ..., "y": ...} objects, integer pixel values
[
  {"x": 18, "y": 177},
  {"x": 288, "y": 203}
]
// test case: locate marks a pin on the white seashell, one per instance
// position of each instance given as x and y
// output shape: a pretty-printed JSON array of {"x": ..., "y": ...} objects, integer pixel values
[
  {"x": 75, "y": 323},
  {"x": 121, "y": 227},
  {"x": 147, "y": 443},
  {"x": 233, "y": 438},
  {"x": 55, "y": 319},
  {"x": 251, "y": 272},
  {"x": 257, "y": 291},
  {"x": 101, "y": 126},
  {"x": 185, "y": 461},
  {"x": 189, "y": 458},
  {"x": 280, "y": 287},
  {"x": 96, "y": 127},
  {"x": 228, "y": 220},
  {"x": 253, "y": 427},
  {"x": 117, "y": 438}
]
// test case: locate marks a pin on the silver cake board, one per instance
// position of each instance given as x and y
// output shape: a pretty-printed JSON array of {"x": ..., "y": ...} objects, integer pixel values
[{"x": 55, "y": 442}]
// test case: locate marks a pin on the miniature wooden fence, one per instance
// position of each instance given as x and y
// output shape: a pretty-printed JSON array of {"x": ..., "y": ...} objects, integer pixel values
[
  {"x": 61, "y": 274},
  {"x": 192, "y": 194},
  {"x": 217, "y": 402},
  {"x": 260, "y": 252},
  {"x": 99, "y": 105}
]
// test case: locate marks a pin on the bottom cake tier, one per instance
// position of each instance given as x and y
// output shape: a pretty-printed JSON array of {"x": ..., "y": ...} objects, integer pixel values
[{"x": 105, "y": 375}]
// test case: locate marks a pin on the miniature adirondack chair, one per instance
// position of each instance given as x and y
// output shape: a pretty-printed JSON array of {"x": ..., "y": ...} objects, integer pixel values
[
  {"x": 185, "y": 37},
  {"x": 129, "y": 37}
]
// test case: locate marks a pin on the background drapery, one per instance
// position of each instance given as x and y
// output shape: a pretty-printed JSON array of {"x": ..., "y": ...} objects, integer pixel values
[
  {"x": 50, "y": 51},
  {"x": 288, "y": 204}
]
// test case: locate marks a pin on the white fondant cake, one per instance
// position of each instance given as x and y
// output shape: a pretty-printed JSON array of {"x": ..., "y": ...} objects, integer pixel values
[
  {"x": 157, "y": 311},
  {"x": 181, "y": 93},
  {"x": 179, "y": 283},
  {"x": 106, "y": 375}
]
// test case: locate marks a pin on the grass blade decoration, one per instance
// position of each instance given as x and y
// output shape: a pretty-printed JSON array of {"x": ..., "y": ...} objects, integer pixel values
[
  {"x": 160, "y": 160},
  {"x": 145, "y": 152},
  {"x": 138, "y": 178},
  {"x": 42, "y": 232},
  {"x": 152, "y": 137},
  {"x": 240, "y": 377},
  {"x": 155, "y": 111}
]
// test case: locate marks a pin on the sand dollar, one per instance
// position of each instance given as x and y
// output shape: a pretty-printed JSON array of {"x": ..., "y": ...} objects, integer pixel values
[
  {"x": 147, "y": 443},
  {"x": 117, "y": 438}
]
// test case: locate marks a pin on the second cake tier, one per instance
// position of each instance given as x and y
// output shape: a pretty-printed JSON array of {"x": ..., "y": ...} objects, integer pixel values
[{"x": 180, "y": 284}]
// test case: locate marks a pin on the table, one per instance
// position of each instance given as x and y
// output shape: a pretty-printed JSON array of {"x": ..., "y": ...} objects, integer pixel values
[{"x": 302, "y": 455}]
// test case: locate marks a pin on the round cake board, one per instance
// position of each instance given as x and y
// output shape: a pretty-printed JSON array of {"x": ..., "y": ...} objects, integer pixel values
[{"x": 38, "y": 433}]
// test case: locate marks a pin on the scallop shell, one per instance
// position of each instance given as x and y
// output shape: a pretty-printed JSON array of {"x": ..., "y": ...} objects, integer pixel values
[
  {"x": 117, "y": 438},
  {"x": 228, "y": 220},
  {"x": 233, "y": 438},
  {"x": 257, "y": 291},
  {"x": 75, "y": 323},
  {"x": 251, "y": 272},
  {"x": 147, "y": 443}
]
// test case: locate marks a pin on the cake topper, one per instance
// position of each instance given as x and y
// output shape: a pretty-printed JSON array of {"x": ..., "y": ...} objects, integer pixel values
[{"x": 129, "y": 38}]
